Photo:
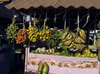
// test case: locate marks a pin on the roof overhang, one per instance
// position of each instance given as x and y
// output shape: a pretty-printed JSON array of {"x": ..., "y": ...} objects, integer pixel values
[{"x": 26, "y": 4}]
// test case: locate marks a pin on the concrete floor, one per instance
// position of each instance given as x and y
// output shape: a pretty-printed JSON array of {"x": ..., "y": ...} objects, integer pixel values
[{"x": 19, "y": 69}]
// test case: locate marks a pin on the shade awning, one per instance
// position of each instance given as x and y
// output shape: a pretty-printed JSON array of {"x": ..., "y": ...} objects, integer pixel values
[
  {"x": 26, "y": 4},
  {"x": 2, "y": 1}
]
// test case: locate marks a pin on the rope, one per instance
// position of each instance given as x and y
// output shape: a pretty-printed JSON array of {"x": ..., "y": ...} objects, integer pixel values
[
  {"x": 88, "y": 16},
  {"x": 78, "y": 21},
  {"x": 23, "y": 24},
  {"x": 55, "y": 18}
]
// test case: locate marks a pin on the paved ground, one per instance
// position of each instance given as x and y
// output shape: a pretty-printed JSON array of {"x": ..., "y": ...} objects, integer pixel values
[{"x": 19, "y": 69}]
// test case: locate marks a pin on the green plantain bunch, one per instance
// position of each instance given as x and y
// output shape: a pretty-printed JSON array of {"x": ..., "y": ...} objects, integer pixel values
[{"x": 54, "y": 37}]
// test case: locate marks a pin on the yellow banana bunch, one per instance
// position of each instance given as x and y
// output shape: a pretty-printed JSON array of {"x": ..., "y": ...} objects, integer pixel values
[
  {"x": 78, "y": 39},
  {"x": 82, "y": 34}
]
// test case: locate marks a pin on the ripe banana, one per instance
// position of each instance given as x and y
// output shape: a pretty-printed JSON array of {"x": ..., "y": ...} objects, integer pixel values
[
  {"x": 71, "y": 45},
  {"x": 69, "y": 36},
  {"x": 66, "y": 32},
  {"x": 67, "y": 42},
  {"x": 63, "y": 40},
  {"x": 74, "y": 35},
  {"x": 82, "y": 34}
]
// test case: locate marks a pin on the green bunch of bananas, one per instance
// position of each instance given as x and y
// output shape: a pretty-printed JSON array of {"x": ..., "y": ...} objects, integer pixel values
[{"x": 54, "y": 37}]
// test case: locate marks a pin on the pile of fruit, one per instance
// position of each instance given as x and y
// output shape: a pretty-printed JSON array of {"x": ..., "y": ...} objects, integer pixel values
[
  {"x": 86, "y": 54},
  {"x": 67, "y": 53},
  {"x": 12, "y": 32},
  {"x": 22, "y": 36},
  {"x": 73, "y": 40}
]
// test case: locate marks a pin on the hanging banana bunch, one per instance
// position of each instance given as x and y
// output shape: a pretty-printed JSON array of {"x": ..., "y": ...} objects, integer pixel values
[
  {"x": 73, "y": 40},
  {"x": 12, "y": 30},
  {"x": 55, "y": 37},
  {"x": 33, "y": 32}
]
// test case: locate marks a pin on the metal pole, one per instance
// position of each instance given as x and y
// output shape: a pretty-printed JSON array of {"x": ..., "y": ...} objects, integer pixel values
[
  {"x": 29, "y": 40},
  {"x": 94, "y": 33}
]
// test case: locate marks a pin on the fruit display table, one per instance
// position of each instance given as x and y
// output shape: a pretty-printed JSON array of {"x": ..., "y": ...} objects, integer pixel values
[{"x": 61, "y": 64}]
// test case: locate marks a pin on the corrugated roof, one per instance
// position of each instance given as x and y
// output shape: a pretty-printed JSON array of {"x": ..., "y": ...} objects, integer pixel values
[
  {"x": 1, "y": 1},
  {"x": 26, "y": 4}
]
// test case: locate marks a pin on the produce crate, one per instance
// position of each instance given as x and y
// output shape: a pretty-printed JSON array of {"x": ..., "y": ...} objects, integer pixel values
[{"x": 62, "y": 64}]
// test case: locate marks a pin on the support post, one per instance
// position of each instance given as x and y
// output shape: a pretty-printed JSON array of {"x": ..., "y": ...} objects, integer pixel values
[
  {"x": 94, "y": 33},
  {"x": 88, "y": 34},
  {"x": 69, "y": 21},
  {"x": 30, "y": 14},
  {"x": 0, "y": 38}
]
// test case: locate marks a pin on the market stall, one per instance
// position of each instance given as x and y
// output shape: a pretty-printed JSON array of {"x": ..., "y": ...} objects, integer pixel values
[{"x": 60, "y": 48}]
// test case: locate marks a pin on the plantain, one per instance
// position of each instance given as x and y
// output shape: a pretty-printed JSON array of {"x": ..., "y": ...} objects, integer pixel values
[
  {"x": 67, "y": 42},
  {"x": 66, "y": 32},
  {"x": 74, "y": 35},
  {"x": 82, "y": 34},
  {"x": 78, "y": 39},
  {"x": 68, "y": 36},
  {"x": 71, "y": 45},
  {"x": 53, "y": 43}
]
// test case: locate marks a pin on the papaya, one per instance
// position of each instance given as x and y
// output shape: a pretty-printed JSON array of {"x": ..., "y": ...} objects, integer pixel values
[
  {"x": 45, "y": 69},
  {"x": 40, "y": 68}
]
